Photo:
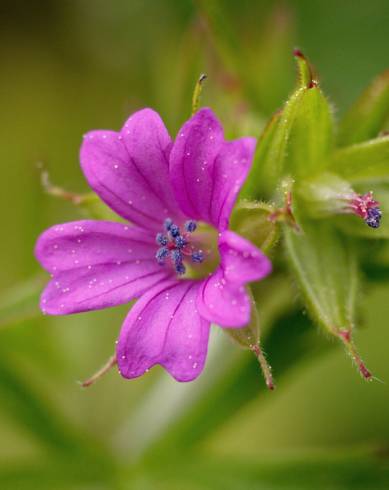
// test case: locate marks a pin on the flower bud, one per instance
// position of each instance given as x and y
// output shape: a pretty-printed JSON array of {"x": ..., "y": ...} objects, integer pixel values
[{"x": 329, "y": 195}]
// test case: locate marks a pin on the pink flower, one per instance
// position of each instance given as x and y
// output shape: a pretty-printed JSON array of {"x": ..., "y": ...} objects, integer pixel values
[{"x": 168, "y": 190}]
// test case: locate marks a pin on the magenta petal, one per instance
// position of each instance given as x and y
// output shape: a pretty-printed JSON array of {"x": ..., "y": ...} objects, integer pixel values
[
  {"x": 207, "y": 172},
  {"x": 96, "y": 264},
  {"x": 230, "y": 171},
  {"x": 241, "y": 261},
  {"x": 222, "y": 298},
  {"x": 165, "y": 328},
  {"x": 130, "y": 171}
]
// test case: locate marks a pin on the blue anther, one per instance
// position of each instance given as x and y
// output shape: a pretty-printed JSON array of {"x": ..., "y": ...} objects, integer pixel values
[
  {"x": 176, "y": 256},
  {"x": 197, "y": 256},
  {"x": 180, "y": 268},
  {"x": 190, "y": 226},
  {"x": 373, "y": 218},
  {"x": 161, "y": 255},
  {"x": 161, "y": 239},
  {"x": 180, "y": 241},
  {"x": 174, "y": 230},
  {"x": 168, "y": 223}
]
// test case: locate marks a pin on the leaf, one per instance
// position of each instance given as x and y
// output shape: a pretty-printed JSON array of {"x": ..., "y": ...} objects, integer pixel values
[
  {"x": 367, "y": 116},
  {"x": 21, "y": 302},
  {"x": 363, "y": 161}
]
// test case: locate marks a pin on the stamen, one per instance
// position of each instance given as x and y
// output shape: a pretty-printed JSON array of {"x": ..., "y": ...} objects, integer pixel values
[
  {"x": 197, "y": 256},
  {"x": 373, "y": 218},
  {"x": 161, "y": 255},
  {"x": 180, "y": 269},
  {"x": 180, "y": 241},
  {"x": 174, "y": 230},
  {"x": 168, "y": 223},
  {"x": 177, "y": 246},
  {"x": 176, "y": 256},
  {"x": 161, "y": 239},
  {"x": 190, "y": 226}
]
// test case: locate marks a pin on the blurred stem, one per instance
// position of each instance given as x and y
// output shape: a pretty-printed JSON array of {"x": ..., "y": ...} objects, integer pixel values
[{"x": 56, "y": 191}]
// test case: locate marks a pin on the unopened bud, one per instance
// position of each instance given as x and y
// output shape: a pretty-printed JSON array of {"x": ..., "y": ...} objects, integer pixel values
[{"x": 329, "y": 195}]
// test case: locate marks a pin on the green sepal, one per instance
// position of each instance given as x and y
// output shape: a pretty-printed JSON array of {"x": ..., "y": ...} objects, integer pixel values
[
  {"x": 251, "y": 220},
  {"x": 247, "y": 337},
  {"x": 297, "y": 141},
  {"x": 367, "y": 116},
  {"x": 310, "y": 136},
  {"x": 306, "y": 77},
  {"x": 324, "y": 265},
  {"x": 325, "y": 195},
  {"x": 92, "y": 207},
  {"x": 256, "y": 183}
]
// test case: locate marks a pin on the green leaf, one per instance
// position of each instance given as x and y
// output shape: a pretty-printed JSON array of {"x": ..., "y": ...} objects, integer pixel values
[
  {"x": 366, "y": 118},
  {"x": 363, "y": 161},
  {"x": 21, "y": 302},
  {"x": 325, "y": 268}
]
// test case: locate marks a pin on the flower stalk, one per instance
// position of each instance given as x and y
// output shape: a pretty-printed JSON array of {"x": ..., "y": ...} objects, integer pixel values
[
  {"x": 112, "y": 361},
  {"x": 265, "y": 366}
]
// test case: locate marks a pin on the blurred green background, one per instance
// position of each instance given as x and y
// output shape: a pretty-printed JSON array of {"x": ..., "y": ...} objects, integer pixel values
[{"x": 71, "y": 66}]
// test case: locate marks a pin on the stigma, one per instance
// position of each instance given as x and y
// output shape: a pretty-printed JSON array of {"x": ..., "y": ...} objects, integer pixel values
[{"x": 175, "y": 245}]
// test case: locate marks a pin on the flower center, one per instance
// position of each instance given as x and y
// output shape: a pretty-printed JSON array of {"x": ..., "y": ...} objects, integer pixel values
[{"x": 176, "y": 247}]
